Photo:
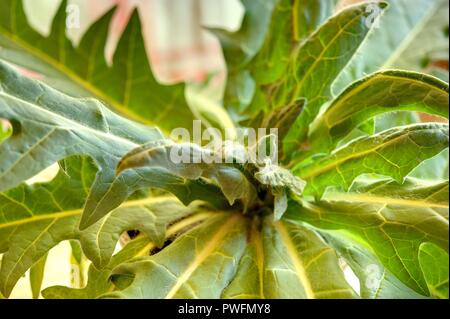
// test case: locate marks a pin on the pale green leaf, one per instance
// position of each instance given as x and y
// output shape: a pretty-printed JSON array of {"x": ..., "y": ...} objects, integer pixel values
[
  {"x": 375, "y": 280},
  {"x": 429, "y": 46},
  {"x": 287, "y": 261},
  {"x": 434, "y": 263},
  {"x": 294, "y": 257},
  {"x": 199, "y": 264},
  {"x": 389, "y": 120},
  {"x": 298, "y": 264},
  {"x": 386, "y": 49},
  {"x": 150, "y": 215},
  {"x": 395, "y": 153},
  {"x": 37, "y": 276},
  {"x": 433, "y": 169},
  {"x": 99, "y": 282},
  {"x": 379, "y": 93}
]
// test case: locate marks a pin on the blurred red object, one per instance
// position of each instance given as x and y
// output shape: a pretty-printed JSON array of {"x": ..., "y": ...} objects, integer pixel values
[{"x": 178, "y": 46}]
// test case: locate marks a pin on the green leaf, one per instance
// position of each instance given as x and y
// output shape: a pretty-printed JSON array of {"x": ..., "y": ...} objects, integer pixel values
[
  {"x": 308, "y": 15},
  {"x": 33, "y": 219},
  {"x": 395, "y": 153},
  {"x": 128, "y": 85},
  {"x": 430, "y": 44},
  {"x": 368, "y": 127},
  {"x": 98, "y": 279},
  {"x": 150, "y": 215},
  {"x": 241, "y": 46},
  {"x": 99, "y": 282},
  {"x": 377, "y": 124},
  {"x": 290, "y": 23},
  {"x": 192, "y": 273},
  {"x": 29, "y": 230},
  {"x": 287, "y": 261},
  {"x": 386, "y": 49},
  {"x": 248, "y": 282},
  {"x": 376, "y": 189},
  {"x": 49, "y": 126},
  {"x": 433, "y": 169},
  {"x": 390, "y": 218},
  {"x": 376, "y": 281},
  {"x": 36, "y": 276},
  {"x": 260, "y": 52},
  {"x": 379, "y": 93},
  {"x": 297, "y": 257},
  {"x": 192, "y": 162},
  {"x": 283, "y": 118},
  {"x": 434, "y": 263},
  {"x": 294, "y": 257},
  {"x": 318, "y": 61},
  {"x": 364, "y": 194}
]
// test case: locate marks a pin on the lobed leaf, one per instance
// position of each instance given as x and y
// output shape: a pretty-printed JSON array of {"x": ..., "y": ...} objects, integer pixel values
[
  {"x": 317, "y": 63},
  {"x": 98, "y": 279},
  {"x": 395, "y": 153},
  {"x": 49, "y": 126},
  {"x": 218, "y": 262},
  {"x": 391, "y": 218},
  {"x": 379, "y": 93},
  {"x": 203, "y": 269},
  {"x": 128, "y": 85},
  {"x": 34, "y": 219},
  {"x": 99, "y": 282}
]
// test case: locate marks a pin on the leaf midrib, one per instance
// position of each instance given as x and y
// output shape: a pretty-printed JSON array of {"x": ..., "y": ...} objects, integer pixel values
[
  {"x": 292, "y": 252},
  {"x": 75, "y": 212},
  {"x": 369, "y": 198},
  {"x": 203, "y": 254}
]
